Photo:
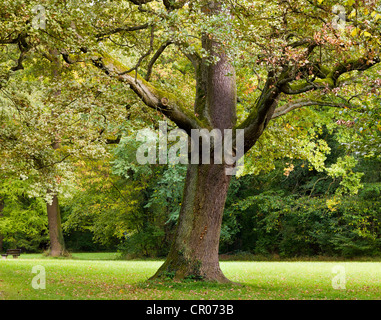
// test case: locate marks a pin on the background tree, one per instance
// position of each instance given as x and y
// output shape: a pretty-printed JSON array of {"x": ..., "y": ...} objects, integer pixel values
[{"x": 39, "y": 116}]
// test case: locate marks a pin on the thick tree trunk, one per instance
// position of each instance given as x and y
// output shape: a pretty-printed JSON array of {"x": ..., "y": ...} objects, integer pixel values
[
  {"x": 57, "y": 243},
  {"x": 194, "y": 252}
]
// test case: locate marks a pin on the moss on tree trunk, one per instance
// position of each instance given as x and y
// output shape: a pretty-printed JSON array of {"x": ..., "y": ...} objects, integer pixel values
[{"x": 194, "y": 252}]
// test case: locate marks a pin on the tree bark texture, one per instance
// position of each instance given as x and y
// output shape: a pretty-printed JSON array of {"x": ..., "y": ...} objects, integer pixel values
[
  {"x": 194, "y": 252},
  {"x": 57, "y": 243}
]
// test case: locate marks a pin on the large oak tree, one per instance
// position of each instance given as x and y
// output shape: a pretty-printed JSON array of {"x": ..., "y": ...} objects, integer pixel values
[{"x": 294, "y": 54}]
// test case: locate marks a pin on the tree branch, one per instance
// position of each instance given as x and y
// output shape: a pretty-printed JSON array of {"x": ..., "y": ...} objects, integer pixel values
[
  {"x": 360, "y": 64},
  {"x": 306, "y": 103},
  {"x": 298, "y": 89},
  {"x": 331, "y": 76},
  {"x": 20, "y": 60},
  {"x": 99, "y": 36},
  {"x": 262, "y": 113},
  {"x": 144, "y": 55},
  {"x": 164, "y": 102},
  {"x": 155, "y": 57},
  {"x": 171, "y": 5},
  {"x": 140, "y": 2}
]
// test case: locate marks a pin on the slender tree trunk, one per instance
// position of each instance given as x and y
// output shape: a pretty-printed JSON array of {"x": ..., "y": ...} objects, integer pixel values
[
  {"x": 194, "y": 252},
  {"x": 57, "y": 243}
]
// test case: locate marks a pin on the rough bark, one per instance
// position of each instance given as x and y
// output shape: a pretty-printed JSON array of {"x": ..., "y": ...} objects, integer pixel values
[
  {"x": 57, "y": 243},
  {"x": 194, "y": 252}
]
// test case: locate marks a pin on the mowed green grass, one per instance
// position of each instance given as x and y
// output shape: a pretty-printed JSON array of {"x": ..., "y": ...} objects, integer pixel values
[{"x": 100, "y": 276}]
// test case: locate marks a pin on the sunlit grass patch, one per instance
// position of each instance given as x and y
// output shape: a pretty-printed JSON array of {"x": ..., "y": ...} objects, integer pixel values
[{"x": 101, "y": 276}]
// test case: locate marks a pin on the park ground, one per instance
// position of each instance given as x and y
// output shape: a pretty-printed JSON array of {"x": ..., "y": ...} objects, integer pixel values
[{"x": 96, "y": 276}]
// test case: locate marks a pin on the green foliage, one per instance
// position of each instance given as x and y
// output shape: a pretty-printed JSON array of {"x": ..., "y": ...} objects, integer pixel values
[
  {"x": 295, "y": 211},
  {"x": 122, "y": 203},
  {"x": 152, "y": 229},
  {"x": 298, "y": 212},
  {"x": 83, "y": 241},
  {"x": 23, "y": 220},
  {"x": 167, "y": 193},
  {"x": 305, "y": 226},
  {"x": 371, "y": 192}
]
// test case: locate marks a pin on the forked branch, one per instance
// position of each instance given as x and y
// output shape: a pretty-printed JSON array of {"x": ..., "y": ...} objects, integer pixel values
[{"x": 166, "y": 103}]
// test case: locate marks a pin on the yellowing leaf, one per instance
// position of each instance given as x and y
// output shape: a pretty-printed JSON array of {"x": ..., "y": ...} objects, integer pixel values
[
  {"x": 352, "y": 14},
  {"x": 354, "y": 32}
]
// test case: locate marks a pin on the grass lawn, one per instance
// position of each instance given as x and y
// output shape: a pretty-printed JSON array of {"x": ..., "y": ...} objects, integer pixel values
[{"x": 101, "y": 276}]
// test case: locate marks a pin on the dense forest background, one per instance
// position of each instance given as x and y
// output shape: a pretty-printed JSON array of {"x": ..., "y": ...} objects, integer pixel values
[{"x": 290, "y": 211}]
